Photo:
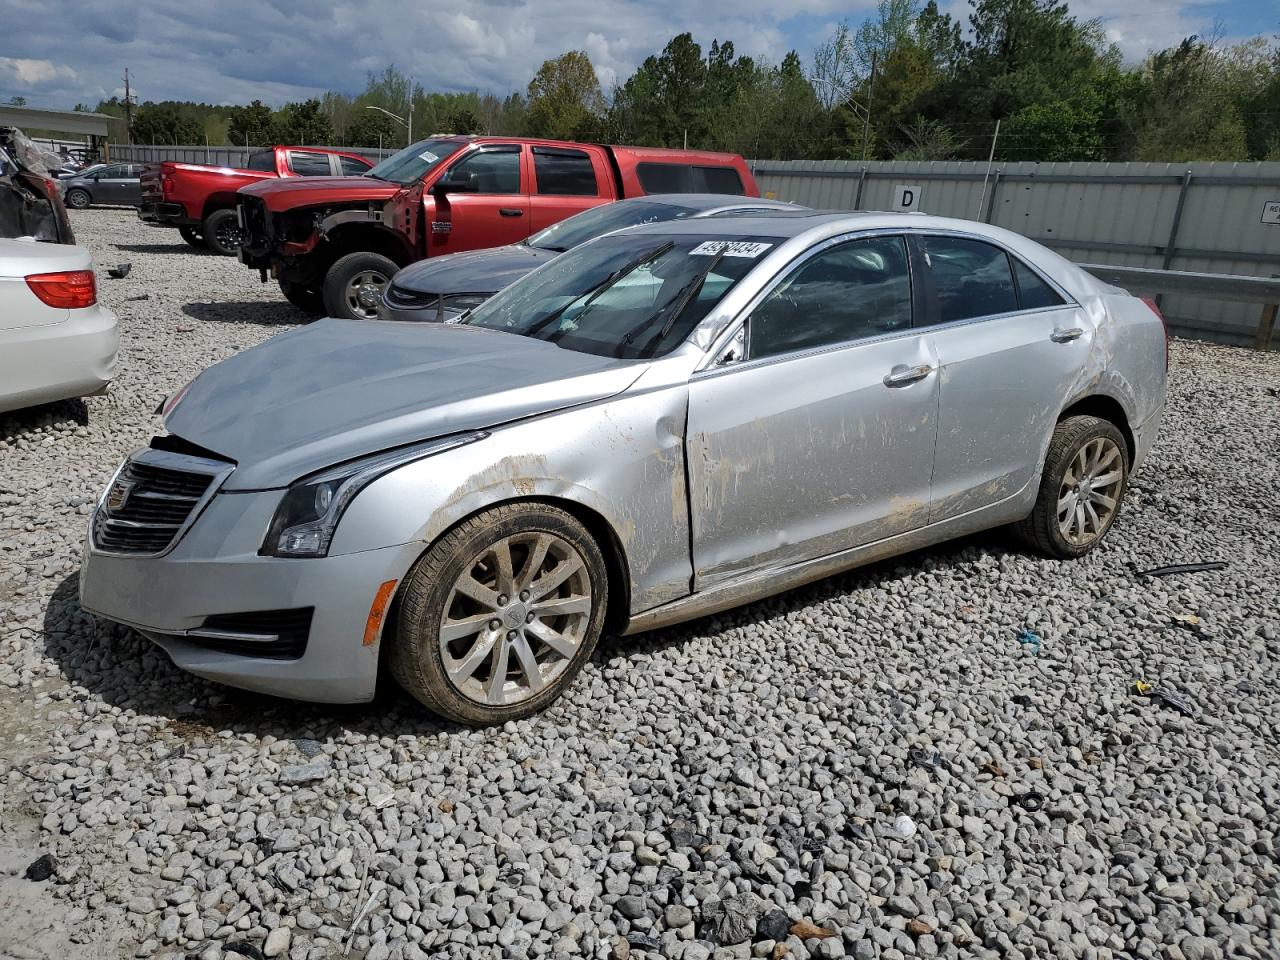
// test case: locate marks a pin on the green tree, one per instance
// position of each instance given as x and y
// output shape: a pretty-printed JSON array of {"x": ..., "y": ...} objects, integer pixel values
[
  {"x": 565, "y": 101},
  {"x": 303, "y": 123},
  {"x": 251, "y": 126},
  {"x": 163, "y": 123}
]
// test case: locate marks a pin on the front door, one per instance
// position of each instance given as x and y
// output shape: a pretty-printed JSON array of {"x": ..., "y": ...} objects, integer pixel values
[
  {"x": 1012, "y": 350},
  {"x": 496, "y": 212},
  {"x": 822, "y": 439}
]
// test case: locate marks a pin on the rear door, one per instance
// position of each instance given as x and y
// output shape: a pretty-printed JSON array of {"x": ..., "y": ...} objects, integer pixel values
[
  {"x": 307, "y": 164},
  {"x": 822, "y": 439},
  {"x": 349, "y": 166},
  {"x": 565, "y": 181},
  {"x": 495, "y": 213},
  {"x": 1012, "y": 348},
  {"x": 113, "y": 184}
]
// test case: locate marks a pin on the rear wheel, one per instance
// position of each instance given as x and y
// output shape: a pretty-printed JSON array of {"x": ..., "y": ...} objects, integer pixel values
[
  {"x": 78, "y": 199},
  {"x": 498, "y": 617},
  {"x": 193, "y": 237},
  {"x": 353, "y": 286},
  {"x": 222, "y": 233},
  {"x": 307, "y": 299},
  {"x": 1085, "y": 476}
]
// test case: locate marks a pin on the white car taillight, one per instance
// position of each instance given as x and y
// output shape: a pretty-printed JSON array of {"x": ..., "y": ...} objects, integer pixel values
[{"x": 68, "y": 290}]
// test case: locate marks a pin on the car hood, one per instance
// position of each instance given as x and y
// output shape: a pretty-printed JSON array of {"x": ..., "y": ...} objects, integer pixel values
[
  {"x": 284, "y": 193},
  {"x": 476, "y": 271},
  {"x": 341, "y": 389}
]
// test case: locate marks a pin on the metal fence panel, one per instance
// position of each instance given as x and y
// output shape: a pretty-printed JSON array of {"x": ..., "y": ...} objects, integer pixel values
[{"x": 1116, "y": 213}]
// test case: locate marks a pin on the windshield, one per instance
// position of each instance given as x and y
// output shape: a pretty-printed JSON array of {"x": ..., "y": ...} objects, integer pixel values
[
  {"x": 598, "y": 221},
  {"x": 632, "y": 296},
  {"x": 413, "y": 162}
]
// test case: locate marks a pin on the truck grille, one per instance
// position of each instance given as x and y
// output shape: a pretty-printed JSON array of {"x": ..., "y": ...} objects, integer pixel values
[
  {"x": 152, "y": 499},
  {"x": 256, "y": 222}
]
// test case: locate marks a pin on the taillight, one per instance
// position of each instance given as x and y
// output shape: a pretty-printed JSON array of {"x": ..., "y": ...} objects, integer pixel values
[
  {"x": 166, "y": 184},
  {"x": 68, "y": 290},
  {"x": 1155, "y": 308}
]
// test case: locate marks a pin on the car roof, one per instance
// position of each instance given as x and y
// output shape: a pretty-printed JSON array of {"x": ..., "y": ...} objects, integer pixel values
[{"x": 712, "y": 201}]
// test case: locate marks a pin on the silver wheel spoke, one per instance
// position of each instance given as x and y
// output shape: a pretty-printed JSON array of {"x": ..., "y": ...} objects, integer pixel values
[
  {"x": 1106, "y": 457},
  {"x": 562, "y": 572},
  {"x": 556, "y": 641},
  {"x": 502, "y": 559},
  {"x": 1066, "y": 503},
  {"x": 458, "y": 629},
  {"x": 562, "y": 605},
  {"x": 528, "y": 662},
  {"x": 1106, "y": 480},
  {"x": 1094, "y": 523},
  {"x": 533, "y": 563},
  {"x": 468, "y": 586},
  {"x": 1107, "y": 503},
  {"x": 468, "y": 665},
  {"x": 495, "y": 690}
]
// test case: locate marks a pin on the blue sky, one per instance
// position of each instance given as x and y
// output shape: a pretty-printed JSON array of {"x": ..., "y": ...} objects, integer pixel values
[{"x": 69, "y": 51}]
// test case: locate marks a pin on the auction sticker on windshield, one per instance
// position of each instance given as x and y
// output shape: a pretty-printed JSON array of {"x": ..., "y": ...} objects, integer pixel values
[
  {"x": 731, "y": 248},
  {"x": 428, "y": 156}
]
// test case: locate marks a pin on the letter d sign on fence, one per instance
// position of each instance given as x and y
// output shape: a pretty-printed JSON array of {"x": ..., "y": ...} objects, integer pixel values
[{"x": 906, "y": 197}]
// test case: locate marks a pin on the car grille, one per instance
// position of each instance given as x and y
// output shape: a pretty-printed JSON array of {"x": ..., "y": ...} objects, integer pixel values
[
  {"x": 256, "y": 222},
  {"x": 152, "y": 499},
  {"x": 412, "y": 299}
]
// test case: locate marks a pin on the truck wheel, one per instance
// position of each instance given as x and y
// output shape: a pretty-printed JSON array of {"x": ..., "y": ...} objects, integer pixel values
[
  {"x": 500, "y": 614},
  {"x": 307, "y": 299},
  {"x": 353, "y": 286},
  {"x": 1085, "y": 476},
  {"x": 222, "y": 233},
  {"x": 78, "y": 199},
  {"x": 193, "y": 237}
]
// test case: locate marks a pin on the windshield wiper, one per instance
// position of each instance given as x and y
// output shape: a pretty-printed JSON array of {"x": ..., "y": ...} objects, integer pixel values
[
  {"x": 675, "y": 307},
  {"x": 599, "y": 290}
]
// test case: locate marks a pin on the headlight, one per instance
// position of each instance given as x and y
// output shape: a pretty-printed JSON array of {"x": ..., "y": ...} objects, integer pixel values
[{"x": 308, "y": 515}]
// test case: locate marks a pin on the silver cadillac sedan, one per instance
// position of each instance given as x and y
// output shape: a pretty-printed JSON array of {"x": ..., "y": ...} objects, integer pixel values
[{"x": 657, "y": 425}]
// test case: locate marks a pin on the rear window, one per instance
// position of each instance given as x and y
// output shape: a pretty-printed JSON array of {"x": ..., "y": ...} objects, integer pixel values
[
  {"x": 310, "y": 164},
  {"x": 564, "y": 173},
  {"x": 1033, "y": 292},
  {"x": 263, "y": 161},
  {"x": 688, "y": 178},
  {"x": 971, "y": 278},
  {"x": 351, "y": 167}
]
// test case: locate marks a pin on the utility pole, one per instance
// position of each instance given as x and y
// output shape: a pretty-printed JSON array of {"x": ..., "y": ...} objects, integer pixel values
[
  {"x": 128, "y": 109},
  {"x": 871, "y": 91},
  {"x": 990, "y": 159},
  {"x": 409, "y": 135}
]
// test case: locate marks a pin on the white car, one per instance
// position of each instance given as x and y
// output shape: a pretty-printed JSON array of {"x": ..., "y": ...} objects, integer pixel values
[{"x": 56, "y": 340}]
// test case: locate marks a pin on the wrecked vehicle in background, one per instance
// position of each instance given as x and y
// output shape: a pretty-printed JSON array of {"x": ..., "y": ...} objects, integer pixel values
[
  {"x": 657, "y": 425},
  {"x": 31, "y": 203}
]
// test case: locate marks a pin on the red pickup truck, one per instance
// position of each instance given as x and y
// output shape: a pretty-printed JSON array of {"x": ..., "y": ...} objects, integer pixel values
[
  {"x": 200, "y": 200},
  {"x": 334, "y": 244}
]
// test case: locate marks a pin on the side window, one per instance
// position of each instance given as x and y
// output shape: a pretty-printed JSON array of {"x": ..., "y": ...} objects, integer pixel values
[
  {"x": 665, "y": 177},
  {"x": 351, "y": 167},
  {"x": 310, "y": 164},
  {"x": 720, "y": 180},
  {"x": 264, "y": 161},
  {"x": 1033, "y": 293},
  {"x": 565, "y": 173},
  {"x": 495, "y": 171},
  {"x": 113, "y": 172},
  {"x": 857, "y": 289},
  {"x": 972, "y": 278}
]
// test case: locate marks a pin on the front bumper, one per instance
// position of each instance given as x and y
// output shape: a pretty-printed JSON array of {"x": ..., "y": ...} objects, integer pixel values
[
  {"x": 165, "y": 214},
  {"x": 214, "y": 570}
]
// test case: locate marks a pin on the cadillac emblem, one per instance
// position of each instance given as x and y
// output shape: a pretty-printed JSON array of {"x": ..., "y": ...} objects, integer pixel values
[{"x": 118, "y": 495}]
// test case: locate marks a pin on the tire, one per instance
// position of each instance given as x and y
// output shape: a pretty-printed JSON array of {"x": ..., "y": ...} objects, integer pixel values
[
  {"x": 353, "y": 285},
  {"x": 193, "y": 237},
  {"x": 1068, "y": 533},
  {"x": 222, "y": 233},
  {"x": 417, "y": 654},
  {"x": 307, "y": 299},
  {"x": 78, "y": 199}
]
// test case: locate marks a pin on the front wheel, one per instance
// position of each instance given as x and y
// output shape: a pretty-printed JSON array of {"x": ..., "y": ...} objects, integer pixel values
[
  {"x": 192, "y": 236},
  {"x": 78, "y": 199},
  {"x": 1085, "y": 476},
  {"x": 353, "y": 286},
  {"x": 222, "y": 233},
  {"x": 498, "y": 617}
]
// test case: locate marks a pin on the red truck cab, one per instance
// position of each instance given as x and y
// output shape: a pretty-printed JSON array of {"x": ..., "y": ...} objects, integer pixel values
[
  {"x": 200, "y": 200},
  {"x": 333, "y": 245}
]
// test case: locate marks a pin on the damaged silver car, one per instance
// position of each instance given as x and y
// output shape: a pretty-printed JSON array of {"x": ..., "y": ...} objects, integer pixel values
[{"x": 659, "y": 424}]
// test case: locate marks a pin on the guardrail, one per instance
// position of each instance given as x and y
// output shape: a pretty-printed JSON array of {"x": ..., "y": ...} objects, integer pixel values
[{"x": 1222, "y": 286}]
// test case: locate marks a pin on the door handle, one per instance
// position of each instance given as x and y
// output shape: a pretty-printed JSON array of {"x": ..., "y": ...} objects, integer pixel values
[
  {"x": 901, "y": 376},
  {"x": 1066, "y": 336},
  {"x": 511, "y": 211}
]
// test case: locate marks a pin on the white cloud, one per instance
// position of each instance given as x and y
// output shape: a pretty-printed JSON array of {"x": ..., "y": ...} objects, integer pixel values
[{"x": 32, "y": 73}]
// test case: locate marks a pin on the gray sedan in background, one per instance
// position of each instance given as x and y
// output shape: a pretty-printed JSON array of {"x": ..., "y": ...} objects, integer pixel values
[
  {"x": 659, "y": 424},
  {"x": 441, "y": 288},
  {"x": 104, "y": 184}
]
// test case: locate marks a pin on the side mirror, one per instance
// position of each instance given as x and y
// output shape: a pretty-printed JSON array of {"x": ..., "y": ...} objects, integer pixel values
[{"x": 457, "y": 183}]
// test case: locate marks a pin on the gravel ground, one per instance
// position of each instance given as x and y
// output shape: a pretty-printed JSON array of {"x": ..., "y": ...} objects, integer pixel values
[{"x": 873, "y": 766}]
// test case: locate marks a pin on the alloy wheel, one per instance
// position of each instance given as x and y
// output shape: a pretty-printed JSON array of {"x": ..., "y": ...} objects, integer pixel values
[
  {"x": 230, "y": 235},
  {"x": 515, "y": 617},
  {"x": 1090, "y": 491},
  {"x": 364, "y": 293}
]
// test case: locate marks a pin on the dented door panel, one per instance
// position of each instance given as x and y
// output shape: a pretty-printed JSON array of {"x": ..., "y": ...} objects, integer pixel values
[{"x": 804, "y": 456}]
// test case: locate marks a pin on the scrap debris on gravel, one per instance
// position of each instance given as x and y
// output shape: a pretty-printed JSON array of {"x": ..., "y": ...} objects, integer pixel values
[{"x": 879, "y": 765}]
